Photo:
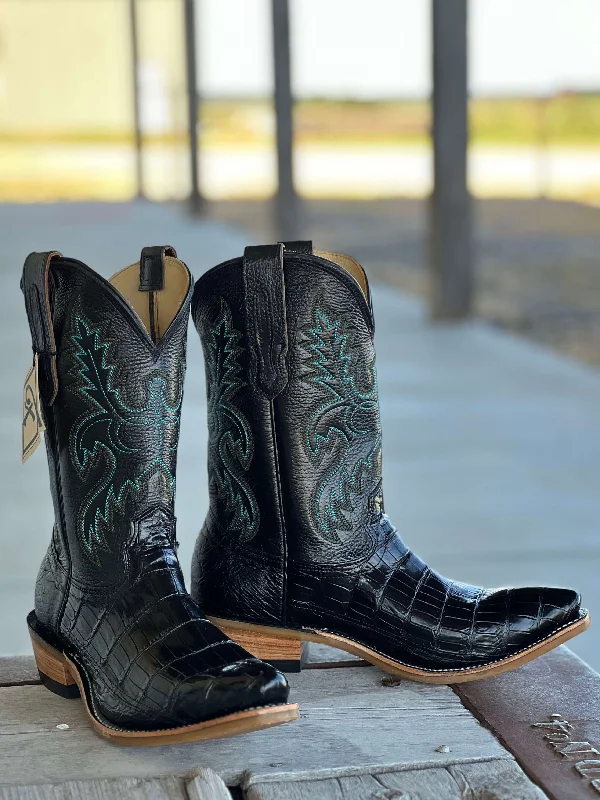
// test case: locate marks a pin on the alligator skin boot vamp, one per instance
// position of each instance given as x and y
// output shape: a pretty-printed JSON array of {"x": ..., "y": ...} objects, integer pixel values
[
  {"x": 113, "y": 621},
  {"x": 296, "y": 544}
]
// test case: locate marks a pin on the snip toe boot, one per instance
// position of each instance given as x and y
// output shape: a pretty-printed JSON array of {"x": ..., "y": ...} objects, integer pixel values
[
  {"x": 296, "y": 545},
  {"x": 113, "y": 621}
]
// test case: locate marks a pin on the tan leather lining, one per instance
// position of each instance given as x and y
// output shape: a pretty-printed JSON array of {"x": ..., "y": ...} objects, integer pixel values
[
  {"x": 167, "y": 301},
  {"x": 350, "y": 264}
]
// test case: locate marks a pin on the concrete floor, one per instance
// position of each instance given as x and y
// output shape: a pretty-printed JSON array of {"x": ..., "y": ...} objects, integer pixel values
[{"x": 491, "y": 444}]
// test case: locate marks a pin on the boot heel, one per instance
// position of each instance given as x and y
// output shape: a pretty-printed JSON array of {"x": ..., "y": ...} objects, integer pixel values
[
  {"x": 286, "y": 654},
  {"x": 53, "y": 668}
]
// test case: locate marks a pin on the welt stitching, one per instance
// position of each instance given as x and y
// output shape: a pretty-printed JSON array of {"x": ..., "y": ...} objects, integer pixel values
[{"x": 424, "y": 651}]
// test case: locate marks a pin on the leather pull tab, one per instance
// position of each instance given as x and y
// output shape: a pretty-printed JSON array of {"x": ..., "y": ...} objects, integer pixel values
[
  {"x": 152, "y": 267},
  {"x": 305, "y": 247},
  {"x": 35, "y": 288},
  {"x": 266, "y": 322}
]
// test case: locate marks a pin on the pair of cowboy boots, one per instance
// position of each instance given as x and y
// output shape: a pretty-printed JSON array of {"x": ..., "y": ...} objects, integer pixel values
[{"x": 296, "y": 545}]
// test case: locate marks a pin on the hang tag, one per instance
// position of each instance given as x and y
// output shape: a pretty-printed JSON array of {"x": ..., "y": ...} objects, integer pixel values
[{"x": 33, "y": 423}]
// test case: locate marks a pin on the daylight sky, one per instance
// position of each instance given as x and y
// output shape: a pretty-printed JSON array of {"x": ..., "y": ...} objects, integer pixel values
[{"x": 380, "y": 48}]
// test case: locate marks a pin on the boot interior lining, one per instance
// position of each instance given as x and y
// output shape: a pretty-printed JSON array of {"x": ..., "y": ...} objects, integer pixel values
[
  {"x": 350, "y": 264},
  {"x": 166, "y": 302}
]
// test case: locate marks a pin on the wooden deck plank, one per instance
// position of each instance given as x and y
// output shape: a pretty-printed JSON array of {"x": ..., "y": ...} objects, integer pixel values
[
  {"x": 364, "y": 688},
  {"x": 203, "y": 785},
  {"x": 349, "y": 721},
  {"x": 206, "y": 785},
  {"x": 500, "y": 779},
  {"x": 130, "y": 788},
  {"x": 321, "y": 656},
  {"x": 547, "y": 713},
  {"x": 18, "y": 670},
  {"x": 424, "y": 784}
]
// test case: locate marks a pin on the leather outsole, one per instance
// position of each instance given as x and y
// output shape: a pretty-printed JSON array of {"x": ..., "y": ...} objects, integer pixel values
[
  {"x": 62, "y": 675},
  {"x": 255, "y": 637}
]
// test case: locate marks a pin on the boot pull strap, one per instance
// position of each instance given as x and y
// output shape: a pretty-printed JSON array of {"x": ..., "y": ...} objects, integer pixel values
[
  {"x": 305, "y": 247},
  {"x": 35, "y": 288},
  {"x": 266, "y": 323},
  {"x": 152, "y": 267},
  {"x": 152, "y": 279}
]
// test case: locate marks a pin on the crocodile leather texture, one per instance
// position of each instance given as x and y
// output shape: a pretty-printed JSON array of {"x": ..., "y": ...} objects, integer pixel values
[
  {"x": 323, "y": 555},
  {"x": 110, "y": 591}
]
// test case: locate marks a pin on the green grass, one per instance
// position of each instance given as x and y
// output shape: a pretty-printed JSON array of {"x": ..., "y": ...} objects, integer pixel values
[
  {"x": 566, "y": 119},
  {"x": 563, "y": 119}
]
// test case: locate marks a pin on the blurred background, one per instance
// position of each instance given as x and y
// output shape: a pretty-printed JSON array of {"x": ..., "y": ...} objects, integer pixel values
[{"x": 452, "y": 146}]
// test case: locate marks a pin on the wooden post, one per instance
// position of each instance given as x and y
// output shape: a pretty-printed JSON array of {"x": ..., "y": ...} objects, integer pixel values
[
  {"x": 133, "y": 33},
  {"x": 286, "y": 201},
  {"x": 195, "y": 198},
  {"x": 451, "y": 252}
]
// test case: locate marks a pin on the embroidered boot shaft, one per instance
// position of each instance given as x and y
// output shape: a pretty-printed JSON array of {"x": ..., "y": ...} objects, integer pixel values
[
  {"x": 112, "y": 619},
  {"x": 296, "y": 544}
]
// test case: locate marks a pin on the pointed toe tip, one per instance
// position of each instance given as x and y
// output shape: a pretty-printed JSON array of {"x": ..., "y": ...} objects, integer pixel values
[
  {"x": 274, "y": 688},
  {"x": 540, "y": 612},
  {"x": 546, "y": 605},
  {"x": 239, "y": 686},
  {"x": 259, "y": 683},
  {"x": 562, "y": 604}
]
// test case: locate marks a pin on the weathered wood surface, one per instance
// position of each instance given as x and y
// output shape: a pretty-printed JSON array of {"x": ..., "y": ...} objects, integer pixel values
[
  {"x": 349, "y": 723},
  {"x": 321, "y": 656},
  {"x": 547, "y": 713},
  {"x": 499, "y": 779},
  {"x": 206, "y": 785},
  {"x": 203, "y": 785},
  {"x": 130, "y": 788},
  {"x": 18, "y": 670}
]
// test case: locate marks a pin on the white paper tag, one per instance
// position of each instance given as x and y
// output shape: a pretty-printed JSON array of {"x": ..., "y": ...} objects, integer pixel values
[{"x": 33, "y": 423}]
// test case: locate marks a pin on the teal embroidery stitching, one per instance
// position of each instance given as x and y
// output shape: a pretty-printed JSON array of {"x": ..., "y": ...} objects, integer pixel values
[
  {"x": 231, "y": 445},
  {"x": 347, "y": 418},
  {"x": 104, "y": 432}
]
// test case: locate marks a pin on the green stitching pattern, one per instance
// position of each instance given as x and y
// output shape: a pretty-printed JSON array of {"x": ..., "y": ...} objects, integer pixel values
[
  {"x": 104, "y": 433},
  {"x": 231, "y": 445},
  {"x": 348, "y": 419}
]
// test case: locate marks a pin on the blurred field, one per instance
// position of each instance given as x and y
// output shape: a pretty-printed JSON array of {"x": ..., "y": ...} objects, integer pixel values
[
  {"x": 520, "y": 147},
  {"x": 86, "y": 171},
  {"x": 562, "y": 119},
  {"x": 365, "y": 170}
]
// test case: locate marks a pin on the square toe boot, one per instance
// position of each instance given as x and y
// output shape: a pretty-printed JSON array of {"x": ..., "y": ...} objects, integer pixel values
[
  {"x": 296, "y": 545},
  {"x": 113, "y": 621}
]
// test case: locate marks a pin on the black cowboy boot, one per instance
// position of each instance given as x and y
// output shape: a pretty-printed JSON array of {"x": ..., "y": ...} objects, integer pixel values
[
  {"x": 112, "y": 620},
  {"x": 296, "y": 545}
]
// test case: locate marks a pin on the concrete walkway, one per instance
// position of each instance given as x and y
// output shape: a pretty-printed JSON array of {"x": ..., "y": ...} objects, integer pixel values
[{"x": 491, "y": 448}]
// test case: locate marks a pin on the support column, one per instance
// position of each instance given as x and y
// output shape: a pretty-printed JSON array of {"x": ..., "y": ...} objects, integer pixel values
[
  {"x": 286, "y": 203},
  {"x": 451, "y": 252},
  {"x": 195, "y": 199},
  {"x": 133, "y": 33}
]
